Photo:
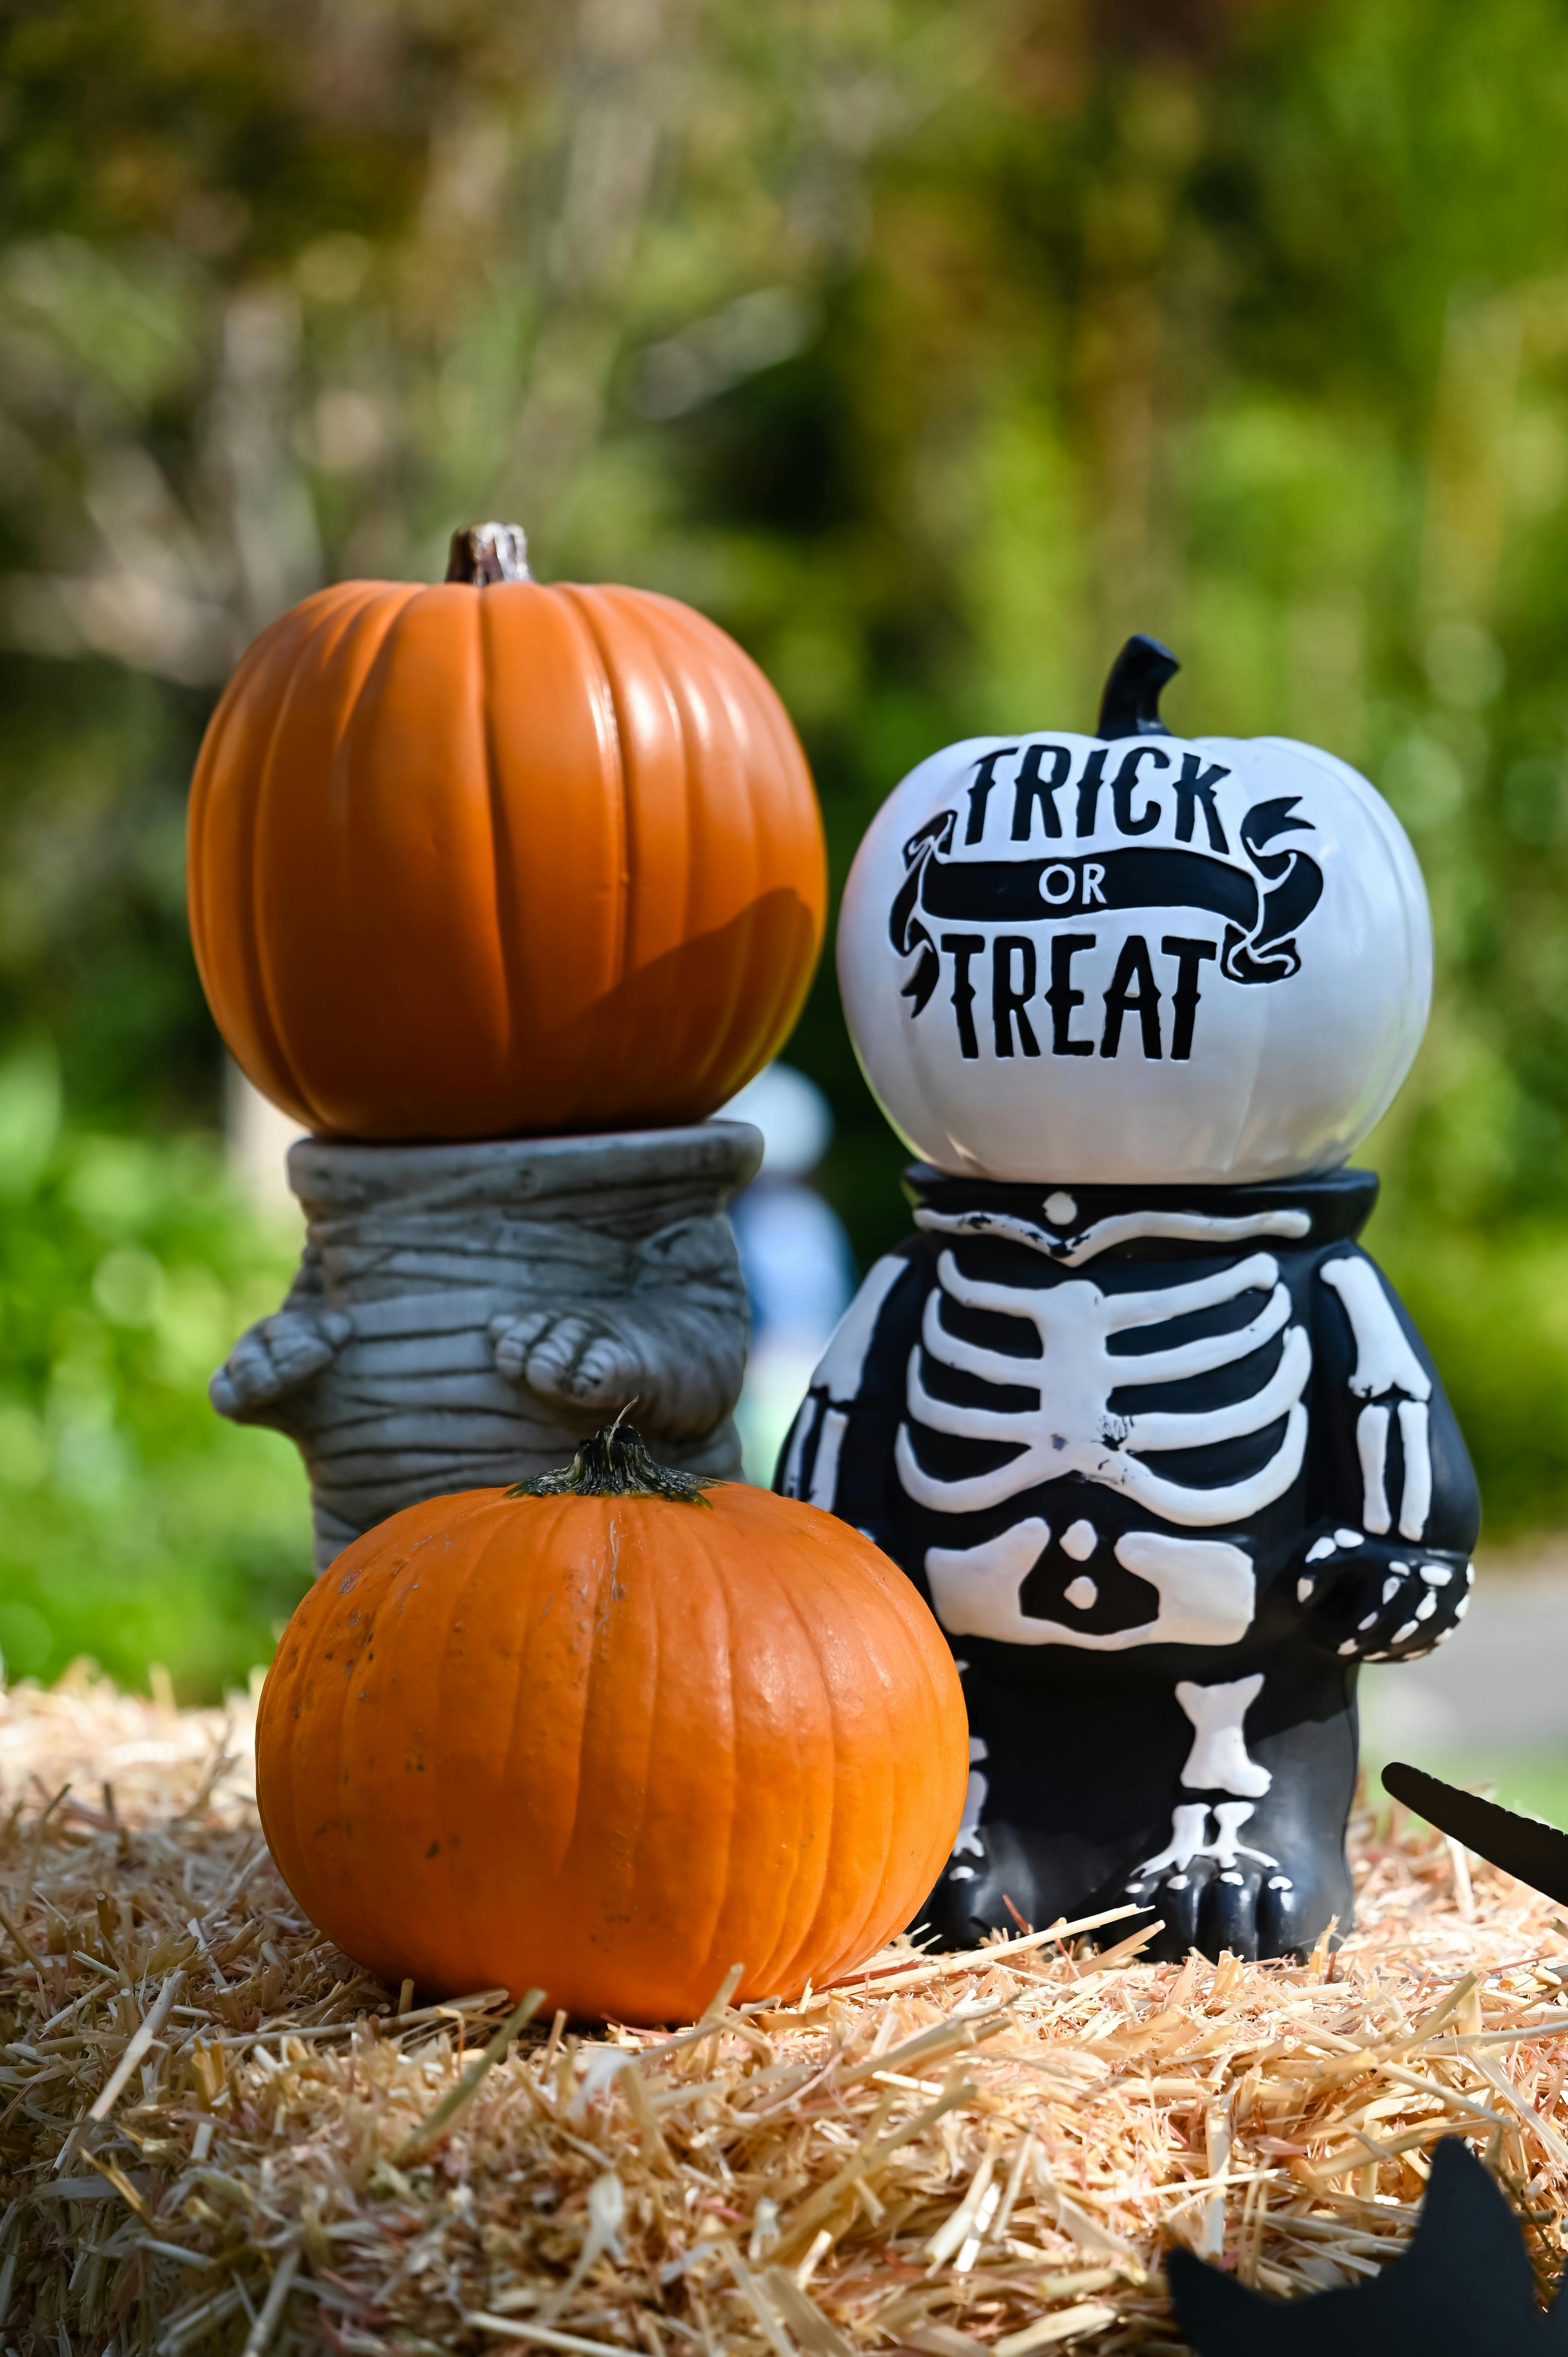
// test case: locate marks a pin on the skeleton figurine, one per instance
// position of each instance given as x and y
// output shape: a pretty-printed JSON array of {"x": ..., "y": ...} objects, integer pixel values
[{"x": 1131, "y": 1409}]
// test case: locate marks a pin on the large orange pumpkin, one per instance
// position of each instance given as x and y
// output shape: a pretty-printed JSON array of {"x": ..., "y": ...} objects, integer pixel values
[
  {"x": 610, "y": 1741},
  {"x": 494, "y": 860}
]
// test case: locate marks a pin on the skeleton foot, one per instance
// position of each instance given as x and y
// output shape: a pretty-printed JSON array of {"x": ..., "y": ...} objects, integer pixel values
[
  {"x": 274, "y": 1359},
  {"x": 1215, "y": 1891},
  {"x": 1369, "y": 1600}
]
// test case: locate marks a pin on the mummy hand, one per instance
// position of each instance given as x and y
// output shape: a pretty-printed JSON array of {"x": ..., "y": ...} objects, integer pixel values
[
  {"x": 592, "y": 1362},
  {"x": 577, "y": 1360},
  {"x": 1376, "y": 1602},
  {"x": 276, "y": 1358}
]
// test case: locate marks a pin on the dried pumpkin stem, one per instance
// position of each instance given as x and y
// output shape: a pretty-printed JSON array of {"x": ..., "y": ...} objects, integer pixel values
[
  {"x": 615, "y": 1464},
  {"x": 485, "y": 553}
]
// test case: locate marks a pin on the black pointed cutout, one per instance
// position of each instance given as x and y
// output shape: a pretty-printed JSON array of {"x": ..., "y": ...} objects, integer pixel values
[
  {"x": 1462, "y": 2287},
  {"x": 1536, "y": 1853},
  {"x": 1131, "y": 703}
]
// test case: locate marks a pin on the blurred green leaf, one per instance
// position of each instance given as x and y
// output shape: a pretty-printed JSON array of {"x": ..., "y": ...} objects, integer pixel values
[
  {"x": 134, "y": 1525},
  {"x": 29, "y": 1113}
]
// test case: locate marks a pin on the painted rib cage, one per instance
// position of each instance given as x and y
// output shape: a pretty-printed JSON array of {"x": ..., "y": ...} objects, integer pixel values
[{"x": 1071, "y": 1428}]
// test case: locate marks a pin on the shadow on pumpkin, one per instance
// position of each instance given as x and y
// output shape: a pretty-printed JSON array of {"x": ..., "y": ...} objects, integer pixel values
[{"x": 670, "y": 1044}]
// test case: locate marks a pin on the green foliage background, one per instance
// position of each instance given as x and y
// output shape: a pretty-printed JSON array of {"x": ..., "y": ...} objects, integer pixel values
[{"x": 929, "y": 348}]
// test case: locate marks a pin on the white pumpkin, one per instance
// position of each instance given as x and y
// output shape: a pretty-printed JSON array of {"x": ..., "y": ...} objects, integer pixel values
[{"x": 1134, "y": 958}]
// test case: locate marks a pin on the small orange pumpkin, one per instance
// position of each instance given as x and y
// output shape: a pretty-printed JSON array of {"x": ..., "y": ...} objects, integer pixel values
[
  {"x": 494, "y": 860},
  {"x": 606, "y": 1737}
]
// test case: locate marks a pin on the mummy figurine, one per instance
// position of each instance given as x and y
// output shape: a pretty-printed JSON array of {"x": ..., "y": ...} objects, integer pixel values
[{"x": 1131, "y": 1407}]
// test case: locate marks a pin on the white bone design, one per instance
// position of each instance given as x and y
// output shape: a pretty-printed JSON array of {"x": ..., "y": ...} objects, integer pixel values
[
  {"x": 1122, "y": 1227},
  {"x": 1219, "y": 1761},
  {"x": 1206, "y": 1591},
  {"x": 1189, "y": 1825},
  {"x": 1070, "y": 1428},
  {"x": 839, "y": 1374},
  {"x": 825, "y": 1464},
  {"x": 843, "y": 1364},
  {"x": 1384, "y": 1360},
  {"x": 1415, "y": 1499},
  {"x": 805, "y": 1417},
  {"x": 1385, "y": 1363},
  {"x": 966, "y": 1842},
  {"x": 1372, "y": 1447}
]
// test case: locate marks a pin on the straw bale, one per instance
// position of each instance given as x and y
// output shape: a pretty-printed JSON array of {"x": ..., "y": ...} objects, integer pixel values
[{"x": 218, "y": 2135}]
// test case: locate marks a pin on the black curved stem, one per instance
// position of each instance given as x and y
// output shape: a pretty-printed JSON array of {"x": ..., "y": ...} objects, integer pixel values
[
  {"x": 615, "y": 1463},
  {"x": 1131, "y": 703}
]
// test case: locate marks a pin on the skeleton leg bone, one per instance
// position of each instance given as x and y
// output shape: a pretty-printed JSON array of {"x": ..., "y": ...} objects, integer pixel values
[{"x": 1218, "y": 1759}]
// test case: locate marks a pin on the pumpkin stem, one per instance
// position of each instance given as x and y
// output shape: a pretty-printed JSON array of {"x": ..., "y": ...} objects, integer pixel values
[
  {"x": 615, "y": 1464},
  {"x": 1131, "y": 705},
  {"x": 485, "y": 553}
]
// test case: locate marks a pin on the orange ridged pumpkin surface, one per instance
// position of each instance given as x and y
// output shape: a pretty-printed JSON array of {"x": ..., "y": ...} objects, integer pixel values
[
  {"x": 495, "y": 860},
  {"x": 610, "y": 1745}
]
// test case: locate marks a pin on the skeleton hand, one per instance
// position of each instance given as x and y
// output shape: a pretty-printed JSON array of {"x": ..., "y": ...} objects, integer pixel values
[
  {"x": 1378, "y": 1599},
  {"x": 274, "y": 1358}
]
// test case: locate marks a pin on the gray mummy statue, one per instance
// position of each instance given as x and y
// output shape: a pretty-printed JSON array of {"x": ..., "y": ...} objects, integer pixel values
[{"x": 465, "y": 1315}]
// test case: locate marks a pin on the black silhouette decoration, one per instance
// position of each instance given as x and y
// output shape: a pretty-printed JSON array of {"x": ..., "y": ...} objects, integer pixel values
[
  {"x": 1462, "y": 2287},
  {"x": 1537, "y": 1854}
]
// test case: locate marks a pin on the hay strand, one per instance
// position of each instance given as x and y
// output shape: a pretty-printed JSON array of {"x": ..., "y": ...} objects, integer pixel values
[{"x": 218, "y": 2133}]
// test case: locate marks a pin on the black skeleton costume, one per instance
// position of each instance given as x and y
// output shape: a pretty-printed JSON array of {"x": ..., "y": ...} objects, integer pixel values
[
  {"x": 1168, "y": 1463},
  {"x": 1167, "y": 1470}
]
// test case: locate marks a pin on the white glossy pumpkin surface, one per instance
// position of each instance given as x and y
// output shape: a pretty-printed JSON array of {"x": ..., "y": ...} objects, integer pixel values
[{"x": 1217, "y": 967}]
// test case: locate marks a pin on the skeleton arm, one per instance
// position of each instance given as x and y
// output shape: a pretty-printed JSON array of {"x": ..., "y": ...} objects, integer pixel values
[
  {"x": 674, "y": 1343},
  {"x": 1386, "y": 1575},
  {"x": 838, "y": 1453}
]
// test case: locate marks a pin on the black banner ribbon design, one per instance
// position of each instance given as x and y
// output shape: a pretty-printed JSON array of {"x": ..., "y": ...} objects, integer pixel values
[
  {"x": 1259, "y": 923},
  {"x": 1266, "y": 952},
  {"x": 904, "y": 929}
]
